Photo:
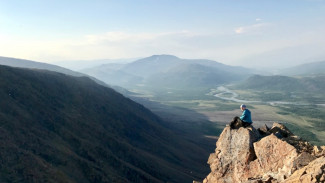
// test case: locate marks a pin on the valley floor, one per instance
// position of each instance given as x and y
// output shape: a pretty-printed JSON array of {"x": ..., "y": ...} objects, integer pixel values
[{"x": 178, "y": 106}]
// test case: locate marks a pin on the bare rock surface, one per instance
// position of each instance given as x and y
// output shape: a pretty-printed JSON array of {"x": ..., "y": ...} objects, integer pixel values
[
  {"x": 233, "y": 153},
  {"x": 266, "y": 155},
  {"x": 313, "y": 172}
]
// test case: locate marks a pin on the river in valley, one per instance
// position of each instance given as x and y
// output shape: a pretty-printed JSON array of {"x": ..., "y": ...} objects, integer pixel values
[{"x": 227, "y": 94}]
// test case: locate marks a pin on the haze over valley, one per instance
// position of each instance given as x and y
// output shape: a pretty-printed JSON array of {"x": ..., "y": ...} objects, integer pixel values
[
  {"x": 193, "y": 84},
  {"x": 140, "y": 91}
]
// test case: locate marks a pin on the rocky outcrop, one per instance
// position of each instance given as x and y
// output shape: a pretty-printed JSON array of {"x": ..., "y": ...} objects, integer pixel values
[
  {"x": 313, "y": 172},
  {"x": 234, "y": 151},
  {"x": 265, "y": 155}
]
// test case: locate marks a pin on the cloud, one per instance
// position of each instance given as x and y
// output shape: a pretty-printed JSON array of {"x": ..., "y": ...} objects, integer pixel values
[
  {"x": 255, "y": 28},
  {"x": 127, "y": 44},
  {"x": 284, "y": 51},
  {"x": 120, "y": 36},
  {"x": 115, "y": 44},
  {"x": 239, "y": 30},
  {"x": 228, "y": 48}
]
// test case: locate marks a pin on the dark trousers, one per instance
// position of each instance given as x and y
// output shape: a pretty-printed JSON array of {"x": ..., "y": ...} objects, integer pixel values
[{"x": 237, "y": 123}]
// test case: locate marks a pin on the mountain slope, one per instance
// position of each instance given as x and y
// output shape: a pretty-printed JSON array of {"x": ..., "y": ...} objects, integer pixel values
[
  {"x": 316, "y": 68},
  {"x": 57, "y": 128},
  {"x": 314, "y": 84},
  {"x": 78, "y": 65},
  {"x": 13, "y": 62},
  {"x": 152, "y": 65},
  {"x": 272, "y": 83},
  {"x": 190, "y": 75},
  {"x": 21, "y": 63},
  {"x": 111, "y": 73},
  {"x": 171, "y": 70}
]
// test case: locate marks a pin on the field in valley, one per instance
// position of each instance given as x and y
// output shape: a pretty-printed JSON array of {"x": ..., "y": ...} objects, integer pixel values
[{"x": 305, "y": 120}]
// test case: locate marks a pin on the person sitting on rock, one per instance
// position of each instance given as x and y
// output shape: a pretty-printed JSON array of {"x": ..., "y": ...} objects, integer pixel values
[{"x": 244, "y": 120}]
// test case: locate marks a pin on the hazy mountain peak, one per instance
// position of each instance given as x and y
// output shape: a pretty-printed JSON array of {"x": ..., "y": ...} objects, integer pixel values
[
  {"x": 164, "y": 69},
  {"x": 159, "y": 58},
  {"x": 164, "y": 56},
  {"x": 151, "y": 65}
]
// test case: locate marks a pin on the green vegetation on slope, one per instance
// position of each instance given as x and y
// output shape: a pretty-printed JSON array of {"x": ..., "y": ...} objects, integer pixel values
[
  {"x": 284, "y": 88},
  {"x": 309, "y": 69},
  {"x": 302, "y": 99},
  {"x": 272, "y": 83},
  {"x": 314, "y": 84}
]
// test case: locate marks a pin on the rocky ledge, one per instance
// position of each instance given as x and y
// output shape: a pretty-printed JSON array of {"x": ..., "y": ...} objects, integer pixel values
[{"x": 265, "y": 155}]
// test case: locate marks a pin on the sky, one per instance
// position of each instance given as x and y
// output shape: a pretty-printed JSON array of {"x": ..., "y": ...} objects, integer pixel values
[{"x": 251, "y": 33}]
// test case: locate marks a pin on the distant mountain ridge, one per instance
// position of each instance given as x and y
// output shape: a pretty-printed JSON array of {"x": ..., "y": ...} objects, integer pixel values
[
  {"x": 191, "y": 75},
  {"x": 309, "y": 69},
  {"x": 285, "y": 83},
  {"x": 170, "y": 71},
  {"x": 151, "y": 65}
]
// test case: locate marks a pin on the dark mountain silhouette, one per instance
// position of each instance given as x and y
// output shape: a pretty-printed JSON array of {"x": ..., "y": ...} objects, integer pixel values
[
  {"x": 13, "y": 62},
  {"x": 22, "y": 63},
  {"x": 78, "y": 65},
  {"x": 59, "y": 128},
  {"x": 170, "y": 71}
]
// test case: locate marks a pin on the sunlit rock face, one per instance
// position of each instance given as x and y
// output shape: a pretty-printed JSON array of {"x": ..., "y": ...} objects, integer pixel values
[{"x": 265, "y": 155}]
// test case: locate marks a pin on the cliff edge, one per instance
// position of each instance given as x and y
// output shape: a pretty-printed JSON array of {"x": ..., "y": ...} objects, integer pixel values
[{"x": 265, "y": 155}]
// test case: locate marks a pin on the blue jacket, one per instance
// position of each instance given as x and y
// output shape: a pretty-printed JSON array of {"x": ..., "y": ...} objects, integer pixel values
[{"x": 246, "y": 116}]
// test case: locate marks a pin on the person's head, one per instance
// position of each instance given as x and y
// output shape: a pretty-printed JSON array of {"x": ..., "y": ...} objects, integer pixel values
[{"x": 243, "y": 107}]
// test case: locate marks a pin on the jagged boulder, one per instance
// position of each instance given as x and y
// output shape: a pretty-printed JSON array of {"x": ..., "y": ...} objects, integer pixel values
[
  {"x": 274, "y": 158},
  {"x": 273, "y": 155},
  {"x": 280, "y": 129},
  {"x": 313, "y": 172},
  {"x": 318, "y": 151},
  {"x": 233, "y": 154},
  {"x": 264, "y": 130}
]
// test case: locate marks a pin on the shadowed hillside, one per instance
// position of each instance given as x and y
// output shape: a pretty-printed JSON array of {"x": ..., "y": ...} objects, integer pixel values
[
  {"x": 21, "y": 63},
  {"x": 14, "y": 62},
  {"x": 57, "y": 128}
]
